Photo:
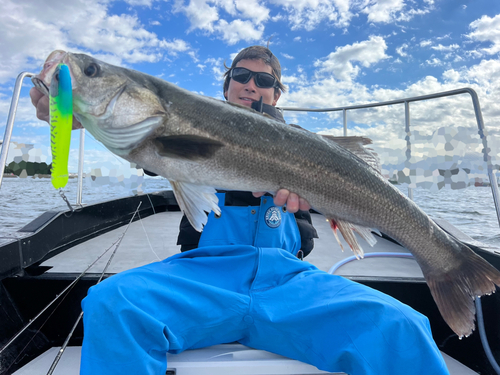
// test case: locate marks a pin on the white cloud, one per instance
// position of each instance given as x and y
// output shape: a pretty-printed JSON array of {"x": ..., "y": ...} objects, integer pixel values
[
  {"x": 177, "y": 45},
  {"x": 287, "y": 56},
  {"x": 401, "y": 50},
  {"x": 446, "y": 36},
  {"x": 340, "y": 62},
  {"x": 434, "y": 62},
  {"x": 425, "y": 43},
  {"x": 440, "y": 47},
  {"x": 487, "y": 29},
  {"x": 239, "y": 30},
  {"x": 247, "y": 25},
  {"x": 253, "y": 10},
  {"x": 308, "y": 14},
  {"x": 201, "y": 15},
  {"x": 33, "y": 28},
  {"x": 383, "y": 10},
  {"x": 146, "y": 3}
]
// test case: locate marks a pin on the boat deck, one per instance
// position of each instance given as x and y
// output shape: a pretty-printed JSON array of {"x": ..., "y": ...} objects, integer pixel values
[
  {"x": 227, "y": 359},
  {"x": 155, "y": 237}
]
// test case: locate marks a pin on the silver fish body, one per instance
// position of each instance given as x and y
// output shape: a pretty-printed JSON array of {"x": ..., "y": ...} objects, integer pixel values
[{"x": 200, "y": 143}]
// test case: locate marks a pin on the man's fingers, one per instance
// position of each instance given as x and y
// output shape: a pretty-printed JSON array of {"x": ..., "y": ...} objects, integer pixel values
[
  {"x": 304, "y": 205},
  {"x": 41, "y": 102},
  {"x": 35, "y": 95},
  {"x": 281, "y": 197},
  {"x": 293, "y": 201}
]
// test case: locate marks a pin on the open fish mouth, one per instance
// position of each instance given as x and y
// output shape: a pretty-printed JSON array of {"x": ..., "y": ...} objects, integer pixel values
[{"x": 40, "y": 85}]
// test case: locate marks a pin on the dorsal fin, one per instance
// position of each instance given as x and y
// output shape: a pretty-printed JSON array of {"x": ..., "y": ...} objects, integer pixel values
[{"x": 356, "y": 145}]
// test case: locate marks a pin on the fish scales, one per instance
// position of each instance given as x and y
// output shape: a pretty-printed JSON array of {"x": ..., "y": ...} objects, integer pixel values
[{"x": 201, "y": 143}]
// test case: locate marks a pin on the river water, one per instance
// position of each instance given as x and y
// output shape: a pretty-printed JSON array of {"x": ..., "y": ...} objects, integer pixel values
[{"x": 23, "y": 199}]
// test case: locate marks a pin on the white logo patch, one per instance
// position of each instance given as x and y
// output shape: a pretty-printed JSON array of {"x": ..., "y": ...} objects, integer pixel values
[{"x": 273, "y": 217}]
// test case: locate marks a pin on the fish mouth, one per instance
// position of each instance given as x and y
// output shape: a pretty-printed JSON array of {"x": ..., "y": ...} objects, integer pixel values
[{"x": 43, "y": 79}]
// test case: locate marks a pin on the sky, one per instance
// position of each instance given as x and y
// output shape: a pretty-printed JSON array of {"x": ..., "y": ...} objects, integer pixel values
[{"x": 333, "y": 53}]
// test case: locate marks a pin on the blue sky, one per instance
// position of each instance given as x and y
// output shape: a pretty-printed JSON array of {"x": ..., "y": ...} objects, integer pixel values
[{"x": 333, "y": 53}]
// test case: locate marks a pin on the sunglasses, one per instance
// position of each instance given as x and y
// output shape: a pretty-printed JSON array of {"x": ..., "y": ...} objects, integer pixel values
[{"x": 262, "y": 80}]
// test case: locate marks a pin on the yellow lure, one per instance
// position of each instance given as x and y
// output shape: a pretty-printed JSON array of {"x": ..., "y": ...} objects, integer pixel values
[{"x": 61, "y": 122}]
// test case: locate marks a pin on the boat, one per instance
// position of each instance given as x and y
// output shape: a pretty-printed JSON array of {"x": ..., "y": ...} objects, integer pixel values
[{"x": 47, "y": 266}]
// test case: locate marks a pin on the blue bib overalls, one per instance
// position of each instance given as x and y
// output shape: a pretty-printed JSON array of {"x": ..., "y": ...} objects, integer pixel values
[
  {"x": 245, "y": 284},
  {"x": 260, "y": 226}
]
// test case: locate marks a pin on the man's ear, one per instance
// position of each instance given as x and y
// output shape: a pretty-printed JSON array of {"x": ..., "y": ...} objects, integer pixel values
[
  {"x": 277, "y": 95},
  {"x": 225, "y": 94}
]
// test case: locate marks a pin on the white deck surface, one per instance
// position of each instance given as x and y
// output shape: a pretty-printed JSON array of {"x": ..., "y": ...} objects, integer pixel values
[
  {"x": 229, "y": 359},
  {"x": 158, "y": 234}
]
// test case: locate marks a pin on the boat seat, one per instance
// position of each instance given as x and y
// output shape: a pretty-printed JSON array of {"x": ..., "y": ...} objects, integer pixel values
[{"x": 227, "y": 359}]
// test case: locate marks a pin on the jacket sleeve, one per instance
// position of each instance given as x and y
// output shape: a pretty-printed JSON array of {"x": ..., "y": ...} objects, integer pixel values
[
  {"x": 307, "y": 231},
  {"x": 188, "y": 236}
]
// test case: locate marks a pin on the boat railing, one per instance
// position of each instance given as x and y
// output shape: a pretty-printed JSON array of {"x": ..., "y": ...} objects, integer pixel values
[{"x": 406, "y": 101}]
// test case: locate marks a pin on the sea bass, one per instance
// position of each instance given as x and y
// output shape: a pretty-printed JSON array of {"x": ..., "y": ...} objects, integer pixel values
[{"x": 200, "y": 143}]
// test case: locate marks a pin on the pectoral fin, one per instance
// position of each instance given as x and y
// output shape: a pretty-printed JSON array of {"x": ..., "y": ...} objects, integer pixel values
[
  {"x": 195, "y": 201},
  {"x": 191, "y": 147}
]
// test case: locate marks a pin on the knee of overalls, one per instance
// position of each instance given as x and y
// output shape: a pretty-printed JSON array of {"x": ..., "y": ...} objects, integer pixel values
[
  {"x": 107, "y": 300},
  {"x": 265, "y": 225}
]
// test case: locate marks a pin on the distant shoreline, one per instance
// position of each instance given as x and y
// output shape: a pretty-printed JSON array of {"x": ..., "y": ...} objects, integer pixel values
[{"x": 11, "y": 175}]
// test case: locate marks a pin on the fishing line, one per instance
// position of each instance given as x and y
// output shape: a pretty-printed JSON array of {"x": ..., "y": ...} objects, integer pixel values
[
  {"x": 147, "y": 237},
  {"x": 54, "y": 300},
  {"x": 151, "y": 203},
  {"x": 39, "y": 329},
  {"x": 66, "y": 341}
]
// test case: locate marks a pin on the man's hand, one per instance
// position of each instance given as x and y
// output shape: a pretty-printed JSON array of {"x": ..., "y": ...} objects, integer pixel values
[
  {"x": 41, "y": 103},
  {"x": 292, "y": 200}
]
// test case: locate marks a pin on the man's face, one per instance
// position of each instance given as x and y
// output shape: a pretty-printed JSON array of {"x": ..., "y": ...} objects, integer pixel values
[{"x": 246, "y": 93}]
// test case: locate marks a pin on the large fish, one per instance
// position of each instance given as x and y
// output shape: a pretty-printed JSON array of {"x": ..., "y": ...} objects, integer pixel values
[{"x": 200, "y": 143}]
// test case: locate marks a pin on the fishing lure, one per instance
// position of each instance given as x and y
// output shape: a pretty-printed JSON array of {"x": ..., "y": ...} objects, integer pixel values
[{"x": 61, "y": 120}]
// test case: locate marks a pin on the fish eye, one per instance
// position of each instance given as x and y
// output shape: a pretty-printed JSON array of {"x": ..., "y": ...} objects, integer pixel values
[{"x": 91, "y": 70}]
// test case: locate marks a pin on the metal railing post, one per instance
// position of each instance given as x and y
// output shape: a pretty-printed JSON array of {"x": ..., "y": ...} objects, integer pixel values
[
  {"x": 408, "y": 142},
  {"x": 80, "y": 168},
  {"x": 345, "y": 121},
  {"x": 10, "y": 121},
  {"x": 486, "y": 150}
]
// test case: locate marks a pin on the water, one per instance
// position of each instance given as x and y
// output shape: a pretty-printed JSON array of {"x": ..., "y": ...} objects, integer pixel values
[
  {"x": 471, "y": 210},
  {"x": 24, "y": 199}
]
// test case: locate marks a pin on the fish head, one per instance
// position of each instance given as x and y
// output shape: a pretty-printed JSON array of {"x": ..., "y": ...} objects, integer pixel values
[{"x": 118, "y": 109}]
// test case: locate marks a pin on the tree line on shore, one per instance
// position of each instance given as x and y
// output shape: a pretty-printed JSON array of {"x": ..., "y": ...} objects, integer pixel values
[{"x": 31, "y": 168}]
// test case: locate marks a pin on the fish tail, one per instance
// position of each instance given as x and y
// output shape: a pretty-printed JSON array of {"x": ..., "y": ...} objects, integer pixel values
[{"x": 456, "y": 290}]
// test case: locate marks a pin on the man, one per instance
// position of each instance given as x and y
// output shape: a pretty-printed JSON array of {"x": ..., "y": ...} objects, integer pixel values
[{"x": 243, "y": 282}]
